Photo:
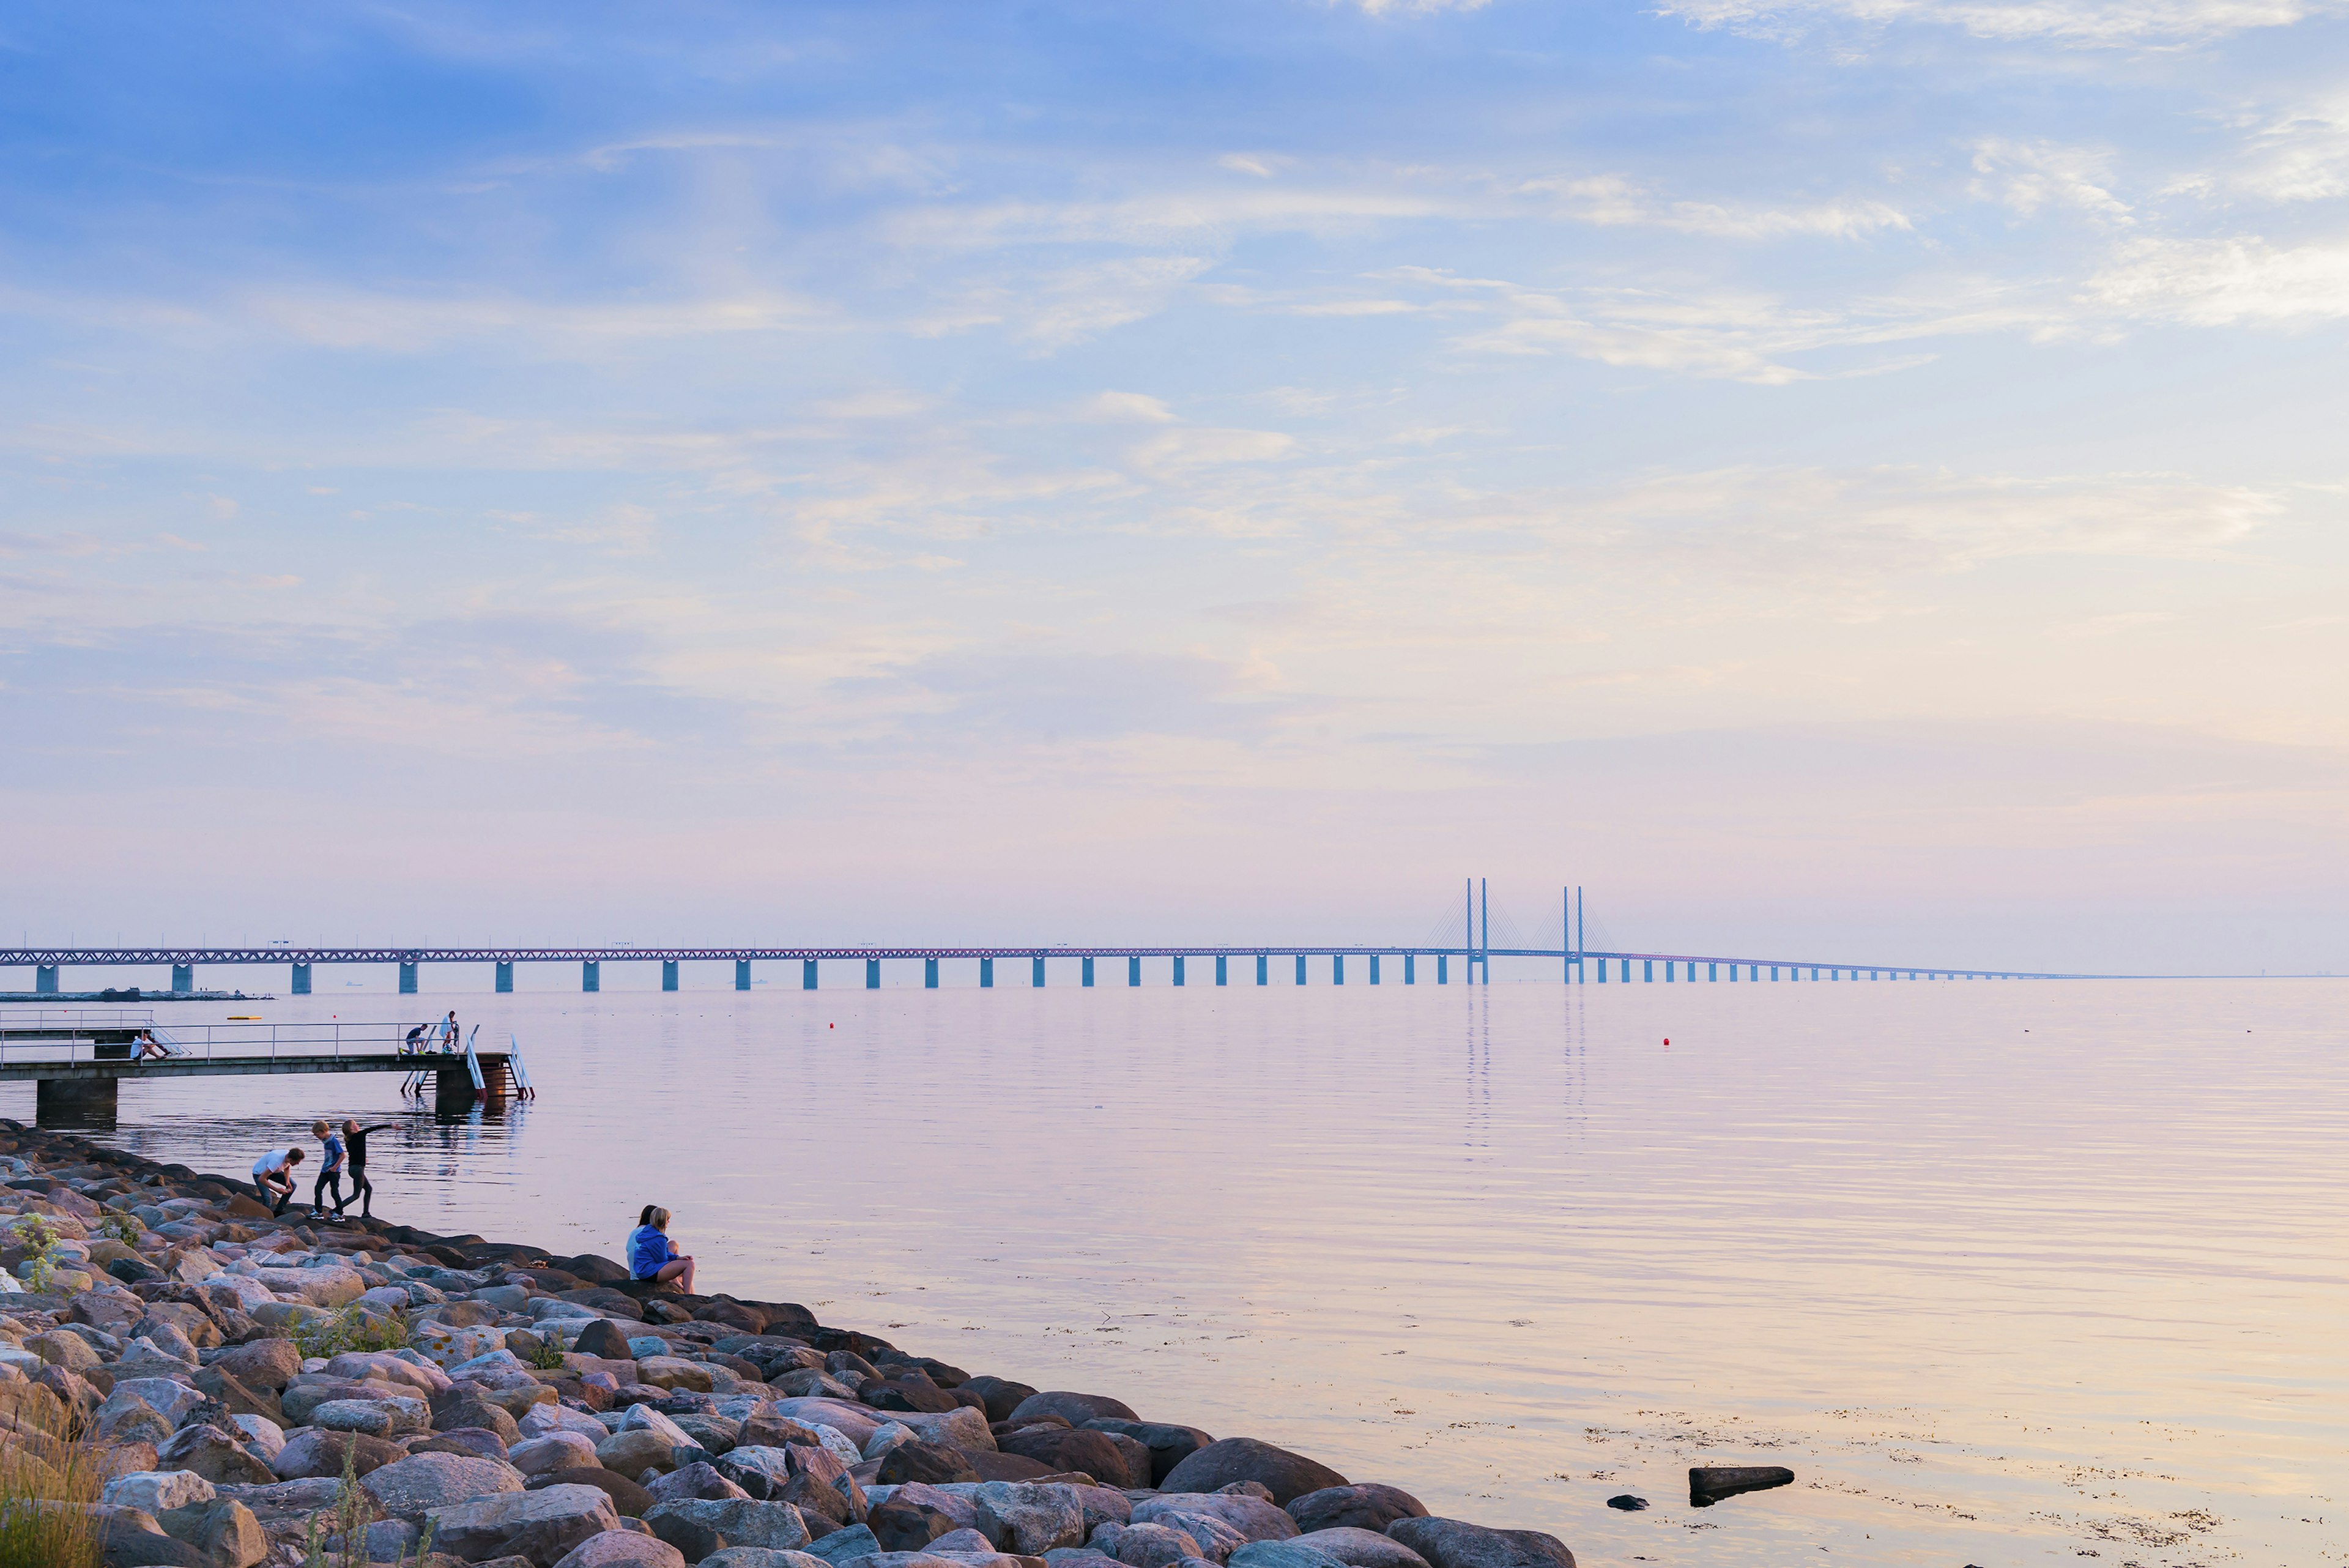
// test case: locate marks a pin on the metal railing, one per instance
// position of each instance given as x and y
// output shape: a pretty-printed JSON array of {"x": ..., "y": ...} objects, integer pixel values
[{"x": 206, "y": 1041}]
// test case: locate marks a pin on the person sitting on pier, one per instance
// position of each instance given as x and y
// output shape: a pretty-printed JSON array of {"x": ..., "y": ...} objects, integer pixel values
[
  {"x": 330, "y": 1174},
  {"x": 652, "y": 1256},
  {"x": 144, "y": 1046},
  {"x": 272, "y": 1177}
]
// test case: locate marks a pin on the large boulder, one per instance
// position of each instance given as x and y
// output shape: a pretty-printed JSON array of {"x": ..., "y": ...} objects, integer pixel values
[
  {"x": 1110, "y": 1457},
  {"x": 1145, "y": 1545},
  {"x": 224, "y": 1530},
  {"x": 329, "y": 1286},
  {"x": 262, "y": 1363},
  {"x": 466, "y": 1405},
  {"x": 384, "y": 1365},
  {"x": 854, "y": 1421},
  {"x": 603, "y": 1338},
  {"x": 1169, "y": 1444},
  {"x": 634, "y": 1453},
  {"x": 1025, "y": 1519},
  {"x": 1363, "y": 1506},
  {"x": 904, "y": 1525},
  {"x": 845, "y": 1546},
  {"x": 1076, "y": 1409},
  {"x": 622, "y": 1549},
  {"x": 1363, "y": 1548},
  {"x": 310, "y": 1453},
  {"x": 1456, "y": 1543},
  {"x": 763, "y": 1557},
  {"x": 220, "y": 1457},
  {"x": 394, "y": 1417},
  {"x": 542, "y": 1525},
  {"x": 1002, "y": 1396},
  {"x": 964, "y": 1427},
  {"x": 1220, "y": 1463},
  {"x": 700, "y": 1526},
  {"x": 1217, "y": 1538},
  {"x": 554, "y": 1451},
  {"x": 629, "y": 1500},
  {"x": 412, "y": 1488},
  {"x": 1254, "y": 1518},
  {"x": 698, "y": 1480},
  {"x": 934, "y": 1464},
  {"x": 1297, "y": 1553}
]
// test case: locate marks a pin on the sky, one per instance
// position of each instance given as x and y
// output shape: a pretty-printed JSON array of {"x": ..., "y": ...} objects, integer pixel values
[{"x": 1854, "y": 478}]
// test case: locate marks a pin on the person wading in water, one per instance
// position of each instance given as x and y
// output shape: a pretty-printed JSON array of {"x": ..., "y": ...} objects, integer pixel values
[{"x": 355, "y": 1139}]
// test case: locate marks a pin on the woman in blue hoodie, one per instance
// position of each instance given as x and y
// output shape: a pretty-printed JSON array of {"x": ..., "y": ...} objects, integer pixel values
[{"x": 653, "y": 1256}]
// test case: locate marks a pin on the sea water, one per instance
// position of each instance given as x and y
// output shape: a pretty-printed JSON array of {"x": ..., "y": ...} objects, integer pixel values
[{"x": 2005, "y": 1273}]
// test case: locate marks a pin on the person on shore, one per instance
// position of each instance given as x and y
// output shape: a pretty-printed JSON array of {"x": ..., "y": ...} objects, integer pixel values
[
  {"x": 355, "y": 1139},
  {"x": 272, "y": 1177},
  {"x": 330, "y": 1171},
  {"x": 652, "y": 1256}
]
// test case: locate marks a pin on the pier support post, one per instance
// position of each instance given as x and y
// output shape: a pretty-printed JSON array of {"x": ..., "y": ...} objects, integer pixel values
[
  {"x": 1089, "y": 972},
  {"x": 1443, "y": 969},
  {"x": 1337, "y": 968},
  {"x": 183, "y": 977},
  {"x": 301, "y": 980},
  {"x": 505, "y": 976},
  {"x": 45, "y": 980},
  {"x": 1178, "y": 969},
  {"x": 407, "y": 980},
  {"x": 807, "y": 974},
  {"x": 986, "y": 974},
  {"x": 1036, "y": 972},
  {"x": 1300, "y": 968},
  {"x": 87, "y": 1103},
  {"x": 742, "y": 974},
  {"x": 872, "y": 974},
  {"x": 1223, "y": 972},
  {"x": 1374, "y": 969},
  {"x": 929, "y": 974},
  {"x": 1264, "y": 969},
  {"x": 591, "y": 975},
  {"x": 669, "y": 974},
  {"x": 1133, "y": 971}
]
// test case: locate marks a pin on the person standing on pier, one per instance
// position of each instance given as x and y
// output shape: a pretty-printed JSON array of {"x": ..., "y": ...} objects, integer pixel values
[
  {"x": 355, "y": 1139},
  {"x": 450, "y": 1038},
  {"x": 330, "y": 1173},
  {"x": 272, "y": 1177}
]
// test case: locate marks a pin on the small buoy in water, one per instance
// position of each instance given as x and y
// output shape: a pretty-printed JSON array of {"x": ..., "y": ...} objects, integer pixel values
[
  {"x": 831, "y": 1027},
  {"x": 1628, "y": 1503},
  {"x": 1667, "y": 1039}
]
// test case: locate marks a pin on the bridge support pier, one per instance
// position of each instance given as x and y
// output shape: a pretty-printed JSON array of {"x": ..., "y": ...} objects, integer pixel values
[
  {"x": 1443, "y": 969},
  {"x": 183, "y": 977},
  {"x": 1178, "y": 969},
  {"x": 669, "y": 974},
  {"x": 1263, "y": 968},
  {"x": 505, "y": 976},
  {"x": 1223, "y": 970},
  {"x": 1133, "y": 971},
  {"x": 1036, "y": 972},
  {"x": 929, "y": 974},
  {"x": 1337, "y": 968},
  {"x": 1410, "y": 969},
  {"x": 1300, "y": 968},
  {"x": 872, "y": 974},
  {"x": 1089, "y": 972},
  {"x": 87, "y": 1103},
  {"x": 742, "y": 974},
  {"x": 301, "y": 980},
  {"x": 1374, "y": 969},
  {"x": 807, "y": 974},
  {"x": 591, "y": 975},
  {"x": 986, "y": 974},
  {"x": 407, "y": 980},
  {"x": 45, "y": 979}
]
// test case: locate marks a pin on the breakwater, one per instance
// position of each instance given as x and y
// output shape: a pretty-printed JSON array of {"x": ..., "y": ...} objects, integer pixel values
[{"x": 203, "y": 1383}]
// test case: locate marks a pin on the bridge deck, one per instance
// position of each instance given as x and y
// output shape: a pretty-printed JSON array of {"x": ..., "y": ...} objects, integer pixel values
[{"x": 234, "y": 1066}]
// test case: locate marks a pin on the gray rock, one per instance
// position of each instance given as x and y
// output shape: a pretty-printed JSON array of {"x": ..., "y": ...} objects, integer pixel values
[
  {"x": 384, "y": 1541},
  {"x": 1285, "y": 1474},
  {"x": 698, "y": 1479},
  {"x": 1708, "y": 1484},
  {"x": 958, "y": 1542},
  {"x": 1027, "y": 1519},
  {"x": 1144, "y": 1546},
  {"x": 622, "y": 1549},
  {"x": 1103, "y": 1505},
  {"x": 1362, "y": 1548},
  {"x": 1076, "y": 1409},
  {"x": 845, "y": 1546},
  {"x": 310, "y": 1453},
  {"x": 1456, "y": 1543},
  {"x": 1169, "y": 1445},
  {"x": 554, "y": 1451},
  {"x": 1364, "y": 1506},
  {"x": 157, "y": 1491},
  {"x": 413, "y": 1486},
  {"x": 224, "y": 1530},
  {"x": 761, "y": 1557},
  {"x": 395, "y": 1418},
  {"x": 262, "y": 1363},
  {"x": 1217, "y": 1539},
  {"x": 1296, "y": 1553},
  {"x": 1254, "y": 1518},
  {"x": 217, "y": 1456},
  {"x": 700, "y": 1526},
  {"x": 542, "y": 1525},
  {"x": 168, "y": 1397}
]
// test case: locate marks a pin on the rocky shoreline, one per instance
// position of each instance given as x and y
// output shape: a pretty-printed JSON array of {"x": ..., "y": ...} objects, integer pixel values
[{"x": 201, "y": 1384}]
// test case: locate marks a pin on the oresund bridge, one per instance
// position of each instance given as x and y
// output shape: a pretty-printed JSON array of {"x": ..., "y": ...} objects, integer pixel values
[{"x": 1473, "y": 951}]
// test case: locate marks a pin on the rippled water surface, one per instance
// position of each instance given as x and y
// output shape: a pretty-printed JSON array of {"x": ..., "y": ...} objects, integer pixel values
[{"x": 2006, "y": 1273}]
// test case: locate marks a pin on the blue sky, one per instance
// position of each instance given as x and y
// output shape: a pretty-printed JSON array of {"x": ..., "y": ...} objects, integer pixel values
[{"x": 1859, "y": 473}]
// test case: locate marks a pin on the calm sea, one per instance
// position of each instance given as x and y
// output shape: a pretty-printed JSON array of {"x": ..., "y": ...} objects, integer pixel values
[{"x": 2006, "y": 1273}]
